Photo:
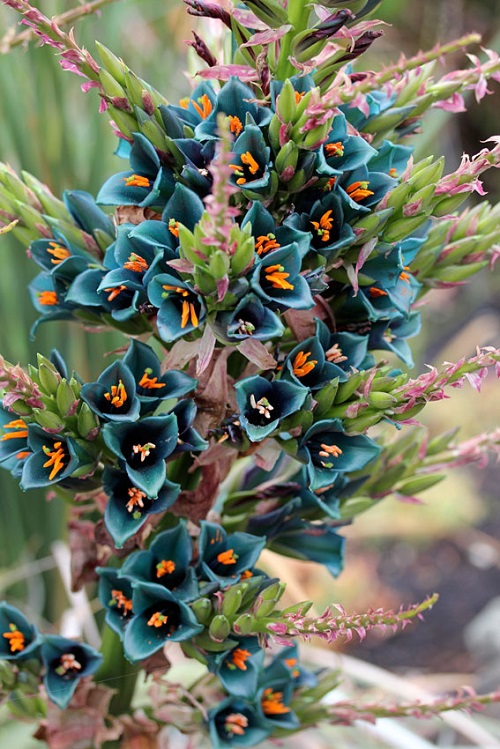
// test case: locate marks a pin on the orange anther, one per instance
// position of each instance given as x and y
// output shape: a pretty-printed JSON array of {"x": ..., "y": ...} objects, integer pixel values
[
  {"x": 165, "y": 567},
  {"x": 137, "y": 180},
  {"x": 56, "y": 459},
  {"x": 302, "y": 367},
  {"x": 227, "y": 557},
  {"x": 48, "y": 298},
  {"x": 20, "y": 426},
  {"x": 58, "y": 252},
  {"x": 272, "y": 703},
  {"x": 205, "y": 108},
  {"x": 136, "y": 263}
]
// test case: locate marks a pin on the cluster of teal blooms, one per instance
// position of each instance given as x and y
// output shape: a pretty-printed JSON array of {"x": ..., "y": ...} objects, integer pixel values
[{"x": 294, "y": 197}]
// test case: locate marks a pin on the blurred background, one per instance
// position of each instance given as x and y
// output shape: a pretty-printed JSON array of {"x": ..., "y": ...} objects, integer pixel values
[{"x": 396, "y": 553}]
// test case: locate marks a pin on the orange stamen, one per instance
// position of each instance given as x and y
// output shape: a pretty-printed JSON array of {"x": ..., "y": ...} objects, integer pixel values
[
  {"x": 177, "y": 289},
  {"x": 323, "y": 226},
  {"x": 68, "y": 662},
  {"x": 405, "y": 276},
  {"x": 272, "y": 703},
  {"x": 150, "y": 383},
  {"x": 136, "y": 499},
  {"x": 393, "y": 172},
  {"x": 136, "y": 263},
  {"x": 359, "y": 190},
  {"x": 48, "y": 298},
  {"x": 184, "y": 103},
  {"x": 330, "y": 184},
  {"x": 236, "y": 724},
  {"x": 118, "y": 395},
  {"x": 144, "y": 450},
  {"x": 238, "y": 658},
  {"x": 15, "y": 638},
  {"x": 114, "y": 291},
  {"x": 58, "y": 251},
  {"x": 330, "y": 450},
  {"x": 165, "y": 567},
  {"x": 235, "y": 124},
  {"x": 249, "y": 161},
  {"x": 137, "y": 180},
  {"x": 266, "y": 243},
  {"x": 227, "y": 557},
  {"x": 56, "y": 459},
  {"x": 334, "y": 149},
  {"x": 205, "y": 108},
  {"x": 334, "y": 354},
  {"x": 121, "y": 601},
  {"x": 276, "y": 277},
  {"x": 173, "y": 227},
  {"x": 246, "y": 574},
  {"x": 302, "y": 367},
  {"x": 298, "y": 96},
  {"x": 22, "y": 454},
  {"x": 374, "y": 292},
  {"x": 158, "y": 620},
  {"x": 291, "y": 663},
  {"x": 16, "y": 424}
]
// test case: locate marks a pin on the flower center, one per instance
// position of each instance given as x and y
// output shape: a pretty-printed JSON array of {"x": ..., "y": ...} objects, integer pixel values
[
  {"x": 248, "y": 161},
  {"x": 157, "y": 620},
  {"x": 48, "y": 298},
  {"x": 262, "y": 406},
  {"x": 203, "y": 106},
  {"x": 136, "y": 263},
  {"x": 329, "y": 185},
  {"x": 188, "y": 311},
  {"x": 173, "y": 227},
  {"x": 58, "y": 252},
  {"x": 120, "y": 600},
  {"x": 299, "y": 95},
  {"x": 137, "y": 180},
  {"x": 334, "y": 354},
  {"x": 114, "y": 291},
  {"x": 165, "y": 567},
  {"x": 235, "y": 124},
  {"x": 405, "y": 276},
  {"x": 245, "y": 328},
  {"x": 117, "y": 396},
  {"x": 143, "y": 450},
  {"x": 238, "y": 658},
  {"x": 150, "y": 383},
  {"x": 68, "y": 662},
  {"x": 334, "y": 149},
  {"x": 56, "y": 459},
  {"x": 19, "y": 425},
  {"x": 393, "y": 172},
  {"x": 136, "y": 499},
  {"x": 292, "y": 663},
  {"x": 266, "y": 243},
  {"x": 227, "y": 557},
  {"x": 246, "y": 574},
  {"x": 375, "y": 293},
  {"x": 359, "y": 191},
  {"x": 329, "y": 451},
  {"x": 272, "y": 703},
  {"x": 15, "y": 638},
  {"x": 236, "y": 724},
  {"x": 277, "y": 277},
  {"x": 302, "y": 367},
  {"x": 323, "y": 226}
]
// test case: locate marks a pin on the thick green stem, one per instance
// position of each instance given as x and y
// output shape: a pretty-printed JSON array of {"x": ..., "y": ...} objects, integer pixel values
[
  {"x": 298, "y": 16},
  {"x": 117, "y": 673}
]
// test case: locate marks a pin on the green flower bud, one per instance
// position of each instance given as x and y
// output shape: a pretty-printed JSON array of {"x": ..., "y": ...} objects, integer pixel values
[
  {"x": 232, "y": 599},
  {"x": 419, "y": 484},
  {"x": 389, "y": 478},
  {"x": 403, "y": 228},
  {"x": 112, "y": 64},
  {"x": 388, "y": 120},
  {"x": 399, "y": 196},
  {"x": 125, "y": 122},
  {"x": 244, "y": 625},
  {"x": 274, "y": 132},
  {"x": 202, "y": 609},
  {"x": 20, "y": 408},
  {"x": 88, "y": 423},
  {"x": 219, "y": 628},
  {"x": 273, "y": 592},
  {"x": 219, "y": 264},
  {"x": 317, "y": 134},
  {"x": 65, "y": 398},
  {"x": 286, "y": 103},
  {"x": 450, "y": 204},
  {"x": 457, "y": 273},
  {"x": 363, "y": 422},
  {"x": 269, "y": 11},
  {"x": 48, "y": 420},
  {"x": 264, "y": 610},
  {"x": 346, "y": 389},
  {"x": 428, "y": 174},
  {"x": 287, "y": 157},
  {"x": 441, "y": 443},
  {"x": 244, "y": 256},
  {"x": 110, "y": 85},
  {"x": 381, "y": 400}
]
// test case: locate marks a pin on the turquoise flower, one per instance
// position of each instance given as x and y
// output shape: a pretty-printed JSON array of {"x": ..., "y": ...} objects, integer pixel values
[
  {"x": 250, "y": 319},
  {"x": 85, "y": 212},
  {"x": 14, "y": 440},
  {"x": 237, "y": 102},
  {"x": 391, "y": 335},
  {"x": 287, "y": 663},
  {"x": 343, "y": 152},
  {"x": 166, "y": 563},
  {"x": 239, "y": 668},
  {"x": 53, "y": 458},
  {"x": 115, "y": 594},
  {"x": 191, "y": 111},
  {"x": 235, "y": 722},
  {"x": 129, "y": 506},
  {"x": 263, "y": 405},
  {"x": 19, "y": 640},
  {"x": 325, "y": 222},
  {"x": 277, "y": 279},
  {"x": 313, "y": 542},
  {"x": 226, "y": 559},
  {"x": 143, "y": 447},
  {"x": 66, "y": 662},
  {"x": 269, "y": 237},
  {"x": 273, "y": 703},
  {"x": 113, "y": 397},
  {"x": 180, "y": 309},
  {"x": 329, "y": 451},
  {"x": 159, "y": 618},
  {"x": 251, "y": 161}
]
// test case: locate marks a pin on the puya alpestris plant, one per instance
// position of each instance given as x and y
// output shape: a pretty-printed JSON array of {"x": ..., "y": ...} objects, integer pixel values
[{"x": 266, "y": 243}]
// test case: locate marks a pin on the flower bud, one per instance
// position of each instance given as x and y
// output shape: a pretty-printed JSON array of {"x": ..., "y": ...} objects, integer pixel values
[
  {"x": 270, "y": 11},
  {"x": 429, "y": 174},
  {"x": 65, "y": 399},
  {"x": 88, "y": 423},
  {"x": 382, "y": 401},
  {"x": 403, "y": 228},
  {"x": 111, "y": 63},
  {"x": 48, "y": 375},
  {"x": 264, "y": 610},
  {"x": 287, "y": 157},
  {"x": 48, "y": 420},
  {"x": 219, "y": 628},
  {"x": 273, "y": 592},
  {"x": 450, "y": 204},
  {"x": 346, "y": 389},
  {"x": 244, "y": 625},
  {"x": 110, "y": 86},
  {"x": 419, "y": 484},
  {"x": 286, "y": 104},
  {"x": 361, "y": 423},
  {"x": 232, "y": 599},
  {"x": 202, "y": 609}
]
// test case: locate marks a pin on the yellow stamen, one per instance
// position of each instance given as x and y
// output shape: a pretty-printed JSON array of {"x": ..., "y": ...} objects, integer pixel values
[
  {"x": 272, "y": 703},
  {"x": 137, "y": 180},
  {"x": 236, "y": 724},
  {"x": 158, "y": 620},
  {"x": 359, "y": 190},
  {"x": 165, "y": 567},
  {"x": 56, "y": 459},
  {"x": 58, "y": 252},
  {"x": 150, "y": 383},
  {"x": 205, "y": 108},
  {"x": 235, "y": 124},
  {"x": 266, "y": 243},
  {"x": 15, "y": 638},
  {"x": 114, "y": 291},
  {"x": 143, "y": 450},
  {"x": 334, "y": 149},
  {"x": 227, "y": 557},
  {"x": 121, "y": 601},
  {"x": 48, "y": 298},
  {"x": 136, "y": 263},
  {"x": 136, "y": 499},
  {"x": 276, "y": 277},
  {"x": 302, "y": 367},
  {"x": 118, "y": 395},
  {"x": 18, "y": 424},
  {"x": 238, "y": 658}
]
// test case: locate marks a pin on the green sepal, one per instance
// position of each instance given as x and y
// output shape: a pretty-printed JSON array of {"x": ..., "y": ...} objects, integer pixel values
[{"x": 419, "y": 484}]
